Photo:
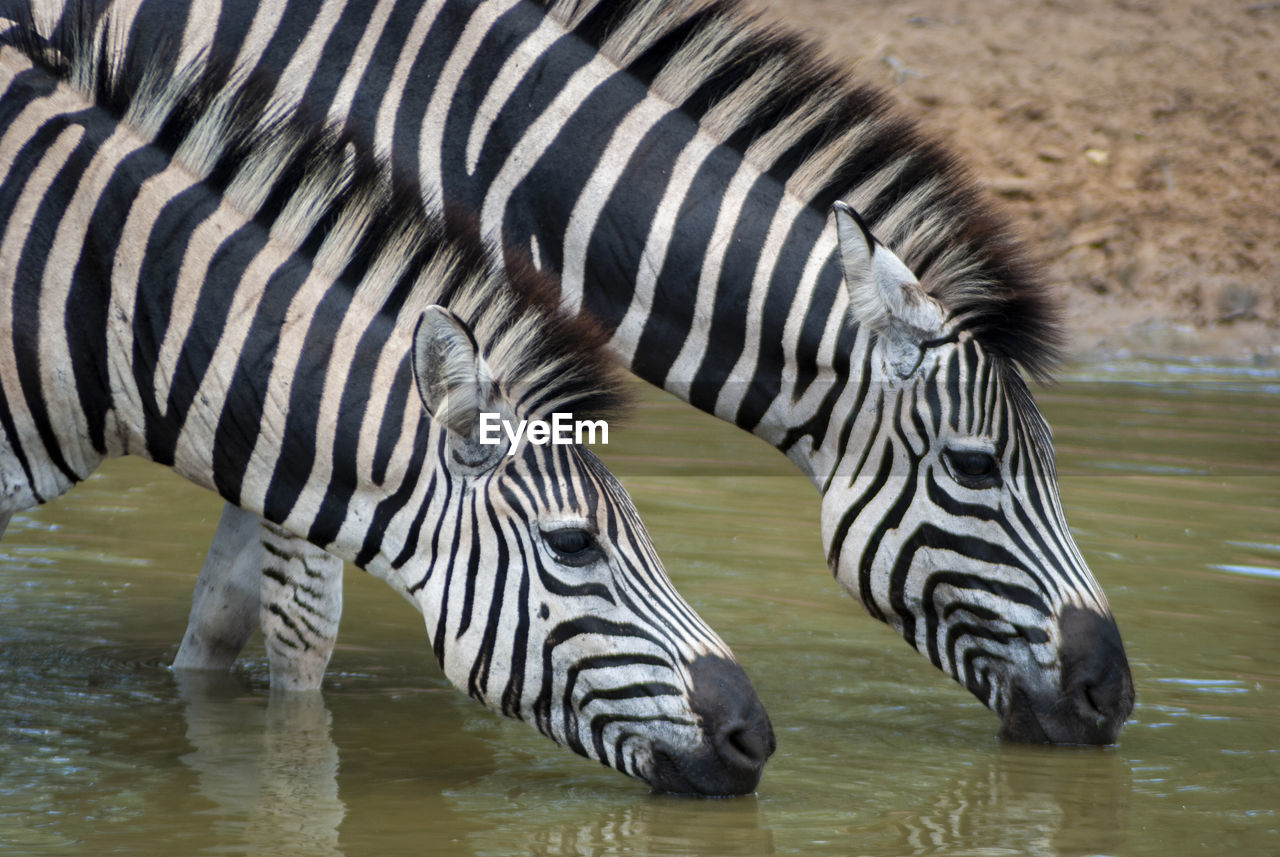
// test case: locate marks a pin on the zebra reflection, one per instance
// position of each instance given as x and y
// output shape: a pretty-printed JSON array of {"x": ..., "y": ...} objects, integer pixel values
[{"x": 271, "y": 772}]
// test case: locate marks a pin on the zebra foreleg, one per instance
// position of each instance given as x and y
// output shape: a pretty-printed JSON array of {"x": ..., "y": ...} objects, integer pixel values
[
  {"x": 300, "y": 600},
  {"x": 255, "y": 575}
]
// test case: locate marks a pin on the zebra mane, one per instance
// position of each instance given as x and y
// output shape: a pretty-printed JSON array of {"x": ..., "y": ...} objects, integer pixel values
[
  {"x": 796, "y": 115},
  {"x": 320, "y": 190}
]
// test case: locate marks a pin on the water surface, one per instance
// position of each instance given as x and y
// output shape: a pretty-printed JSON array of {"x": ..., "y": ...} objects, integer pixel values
[{"x": 1171, "y": 480}]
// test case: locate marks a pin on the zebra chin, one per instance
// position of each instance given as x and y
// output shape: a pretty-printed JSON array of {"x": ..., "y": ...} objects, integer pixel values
[
  {"x": 736, "y": 737},
  {"x": 1095, "y": 695}
]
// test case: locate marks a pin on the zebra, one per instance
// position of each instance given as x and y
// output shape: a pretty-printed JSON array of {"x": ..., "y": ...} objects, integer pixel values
[
  {"x": 196, "y": 272},
  {"x": 773, "y": 243}
]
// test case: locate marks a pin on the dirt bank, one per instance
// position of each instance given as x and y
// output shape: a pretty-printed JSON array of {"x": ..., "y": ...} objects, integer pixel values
[{"x": 1136, "y": 143}]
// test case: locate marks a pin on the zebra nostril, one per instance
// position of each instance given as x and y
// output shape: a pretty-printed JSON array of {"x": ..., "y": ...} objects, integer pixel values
[
  {"x": 740, "y": 744},
  {"x": 1093, "y": 702},
  {"x": 1095, "y": 671},
  {"x": 1089, "y": 694}
]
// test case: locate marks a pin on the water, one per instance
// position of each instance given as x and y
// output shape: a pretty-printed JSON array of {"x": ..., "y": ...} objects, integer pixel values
[{"x": 1171, "y": 478}]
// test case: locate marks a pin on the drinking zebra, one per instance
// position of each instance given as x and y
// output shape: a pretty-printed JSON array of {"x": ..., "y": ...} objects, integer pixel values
[
  {"x": 192, "y": 272},
  {"x": 677, "y": 161}
]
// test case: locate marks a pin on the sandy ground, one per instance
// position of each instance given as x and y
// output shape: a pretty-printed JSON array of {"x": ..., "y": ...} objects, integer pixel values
[{"x": 1135, "y": 143}]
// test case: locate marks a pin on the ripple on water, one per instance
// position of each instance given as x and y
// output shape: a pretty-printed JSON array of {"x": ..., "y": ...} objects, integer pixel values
[{"x": 1250, "y": 571}]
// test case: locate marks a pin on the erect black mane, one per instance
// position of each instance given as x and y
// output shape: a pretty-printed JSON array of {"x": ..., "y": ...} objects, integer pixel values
[{"x": 830, "y": 138}]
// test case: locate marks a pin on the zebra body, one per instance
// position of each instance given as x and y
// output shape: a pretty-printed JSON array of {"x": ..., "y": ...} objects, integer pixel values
[
  {"x": 677, "y": 162},
  {"x": 194, "y": 273}
]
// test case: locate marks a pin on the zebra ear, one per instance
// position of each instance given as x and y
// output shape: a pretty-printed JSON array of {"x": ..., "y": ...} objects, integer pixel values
[
  {"x": 884, "y": 294},
  {"x": 452, "y": 377}
]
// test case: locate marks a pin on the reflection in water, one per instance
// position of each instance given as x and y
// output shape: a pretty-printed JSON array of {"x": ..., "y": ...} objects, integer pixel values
[
  {"x": 663, "y": 826},
  {"x": 585, "y": 823},
  {"x": 272, "y": 774},
  {"x": 1028, "y": 801}
]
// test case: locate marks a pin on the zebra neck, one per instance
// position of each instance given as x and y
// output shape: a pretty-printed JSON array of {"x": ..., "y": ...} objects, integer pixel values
[
  {"x": 272, "y": 399},
  {"x": 759, "y": 338},
  {"x": 284, "y": 393},
  {"x": 717, "y": 282}
]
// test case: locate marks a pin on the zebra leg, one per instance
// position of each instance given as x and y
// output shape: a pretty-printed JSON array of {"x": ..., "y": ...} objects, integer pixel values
[
  {"x": 224, "y": 608},
  {"x": 256, "y": 575},
  {"x": 300, "y": 606}
]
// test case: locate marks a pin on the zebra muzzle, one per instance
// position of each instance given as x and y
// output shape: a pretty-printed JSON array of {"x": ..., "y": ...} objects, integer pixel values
[
  {"x": 737, "y": 736},
  {"x": 1096, "y": 694}
]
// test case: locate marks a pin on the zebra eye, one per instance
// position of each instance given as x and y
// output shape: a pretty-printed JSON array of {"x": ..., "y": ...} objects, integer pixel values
[
  {"x": 573, "y": 546},
  {"x": 973, "y": 468}
]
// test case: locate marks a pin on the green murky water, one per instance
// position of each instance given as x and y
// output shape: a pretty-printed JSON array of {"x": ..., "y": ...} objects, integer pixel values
[{"x": 1172, "y": 487}]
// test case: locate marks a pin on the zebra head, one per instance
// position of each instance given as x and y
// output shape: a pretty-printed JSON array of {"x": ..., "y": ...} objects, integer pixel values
[
  {"x": 553, "y": 607},
  {"x": 942, "y": 515}
]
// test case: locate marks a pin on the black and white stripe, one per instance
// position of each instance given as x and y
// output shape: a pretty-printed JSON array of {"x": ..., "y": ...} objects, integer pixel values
[
  {"x": 197, "y": 273},
  {"x": 676, "y": 161}
]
